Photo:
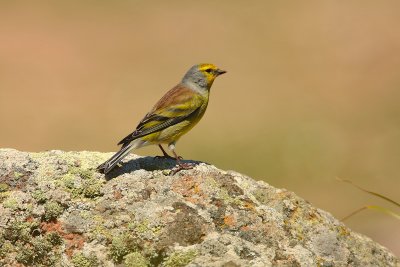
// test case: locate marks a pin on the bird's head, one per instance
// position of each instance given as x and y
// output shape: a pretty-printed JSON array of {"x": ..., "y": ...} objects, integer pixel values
[{"x": 202, "y": 75}]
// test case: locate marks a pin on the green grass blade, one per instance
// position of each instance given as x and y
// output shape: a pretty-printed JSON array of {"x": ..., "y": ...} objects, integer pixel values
[
  {"x": 372, "y": 207},
  {"x": 353, "y": 213},
  {"x": 384, "y": 210},
  {"x": 369, "y": 192}
]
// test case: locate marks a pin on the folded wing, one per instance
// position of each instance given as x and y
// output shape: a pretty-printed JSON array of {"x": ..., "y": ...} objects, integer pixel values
[{"x": 177, "y": 105}]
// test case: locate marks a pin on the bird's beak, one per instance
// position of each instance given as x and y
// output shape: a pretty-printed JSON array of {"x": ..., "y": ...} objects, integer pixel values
[{"x": 219, "y": 72}]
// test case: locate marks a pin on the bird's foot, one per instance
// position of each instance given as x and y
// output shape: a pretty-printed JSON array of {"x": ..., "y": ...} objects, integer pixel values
[
  {"x": 181, "y": 166},
  {"x": 166, "y": 156}
]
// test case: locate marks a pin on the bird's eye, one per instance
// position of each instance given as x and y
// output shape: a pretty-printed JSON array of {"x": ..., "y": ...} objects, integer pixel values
[{"x": 208, "y": 70}]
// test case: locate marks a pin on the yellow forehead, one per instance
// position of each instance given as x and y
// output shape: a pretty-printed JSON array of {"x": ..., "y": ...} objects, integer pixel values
[{"x": 205, "y": 66}]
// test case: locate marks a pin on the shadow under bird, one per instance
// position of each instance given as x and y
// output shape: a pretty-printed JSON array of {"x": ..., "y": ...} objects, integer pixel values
[{"x": 178, "y": 111}]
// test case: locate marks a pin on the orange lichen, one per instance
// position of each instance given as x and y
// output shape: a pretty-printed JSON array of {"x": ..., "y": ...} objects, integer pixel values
[
  {"x": 248, "y": 205},
  {"x": 53, "y": 226},
  {"x": 245, "y": 228},
  {"x": 117, "y": 194},
  {"x": 229, "y": 220},
  {"x": 73, "y": 241},
  {"x": 189, "y": 188}
]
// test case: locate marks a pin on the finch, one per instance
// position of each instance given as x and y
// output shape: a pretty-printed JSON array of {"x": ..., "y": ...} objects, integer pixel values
[{"x": 178, "y": 111}]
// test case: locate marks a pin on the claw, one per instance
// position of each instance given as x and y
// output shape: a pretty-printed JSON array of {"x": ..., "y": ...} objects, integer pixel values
[{"x": 181, "y": 166}]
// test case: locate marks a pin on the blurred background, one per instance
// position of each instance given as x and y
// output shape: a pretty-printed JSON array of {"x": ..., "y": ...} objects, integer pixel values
[{"x": 312, "y": 90}]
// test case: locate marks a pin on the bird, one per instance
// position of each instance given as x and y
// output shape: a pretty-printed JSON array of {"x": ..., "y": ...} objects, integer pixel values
[{"x": 177, "y": 112}]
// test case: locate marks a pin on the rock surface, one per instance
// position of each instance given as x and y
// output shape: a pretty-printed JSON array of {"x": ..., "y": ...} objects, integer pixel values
[{"x": 56, "y": 210}]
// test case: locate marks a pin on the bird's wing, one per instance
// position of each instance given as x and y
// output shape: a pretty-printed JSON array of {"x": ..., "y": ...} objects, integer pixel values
[{"x": 175, "y": 106}]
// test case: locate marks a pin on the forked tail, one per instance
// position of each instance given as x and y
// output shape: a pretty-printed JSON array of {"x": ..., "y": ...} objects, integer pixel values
[{"x": 107, "y": 166}]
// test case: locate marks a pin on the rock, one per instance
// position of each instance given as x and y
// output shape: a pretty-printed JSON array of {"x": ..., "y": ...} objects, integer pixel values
[{"x": 56, "y": 210}]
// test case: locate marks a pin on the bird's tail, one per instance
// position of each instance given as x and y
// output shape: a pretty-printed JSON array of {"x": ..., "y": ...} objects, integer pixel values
[{"x": 107, "y": 166}]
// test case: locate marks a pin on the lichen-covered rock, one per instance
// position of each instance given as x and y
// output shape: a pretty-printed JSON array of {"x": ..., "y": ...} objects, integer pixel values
[{"x": 56, "y": 210}]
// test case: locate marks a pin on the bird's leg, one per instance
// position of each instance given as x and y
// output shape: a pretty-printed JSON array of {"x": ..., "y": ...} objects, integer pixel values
[
  {"x": 165, "y": 153},
  {"x": 180, "y": 165}
]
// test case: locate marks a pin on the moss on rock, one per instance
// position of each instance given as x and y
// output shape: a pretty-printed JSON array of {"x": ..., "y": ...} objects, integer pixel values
[
  {"x": 136, "y": 259},
  {"x": 180, "y": 258},
  {"x": 4, "y": 187},
  {"x": 38, "y": 252},
  {"x": 92, "y": 188},
  {"x": 21, "y": 231},
  {"x": 52, "y": 211},
  {"x": 122, "y": 245},
  {"x": 80, "y": 260},
  {"x": 11, "y": 203},
  {"x": 39, "y": 196}
]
